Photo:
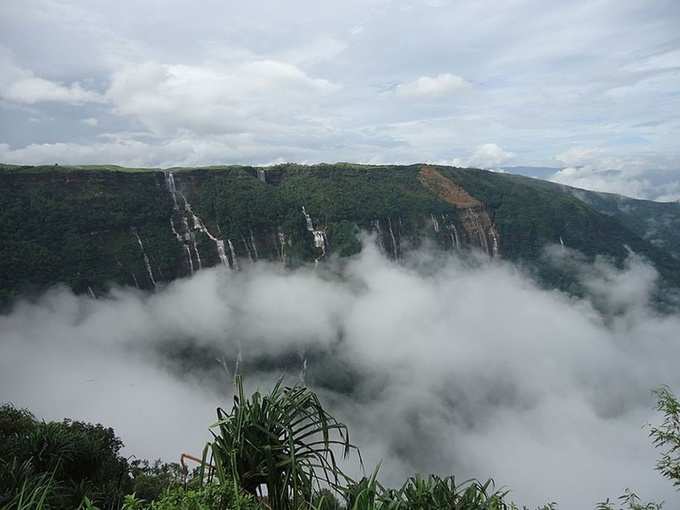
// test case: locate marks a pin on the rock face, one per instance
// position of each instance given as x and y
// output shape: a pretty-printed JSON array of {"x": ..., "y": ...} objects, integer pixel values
[
  {"x": 477, "y": 225},
  {"x": 90, "y": 229}
]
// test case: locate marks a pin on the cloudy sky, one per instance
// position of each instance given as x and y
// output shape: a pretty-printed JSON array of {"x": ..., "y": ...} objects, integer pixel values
[{"x": 591, "y": 89}]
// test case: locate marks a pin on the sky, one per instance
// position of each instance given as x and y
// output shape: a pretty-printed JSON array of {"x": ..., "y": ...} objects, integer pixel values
[
  {"x": 590, "y": 88},
  {"x": 455, "y": 366}
]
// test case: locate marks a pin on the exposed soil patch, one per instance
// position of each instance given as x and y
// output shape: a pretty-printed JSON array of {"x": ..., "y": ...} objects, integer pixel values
[{"x": 446, "y": 189}]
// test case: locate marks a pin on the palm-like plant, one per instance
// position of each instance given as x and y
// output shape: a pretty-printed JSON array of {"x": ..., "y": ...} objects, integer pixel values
[
  {"x": 284, "y": 441},
  {"x": 431, "y": 493}
]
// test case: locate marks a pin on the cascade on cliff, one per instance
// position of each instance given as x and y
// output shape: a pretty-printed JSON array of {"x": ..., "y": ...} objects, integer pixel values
[
  {"x": 254, "y": 246},
  {"x": 281, "y": 238},
  {"x": 455, "y": 242},
  {"x": 319, "y": 235},
  {"x": 147, "y": 263},
  {"x": 435, "y": 223},
  {"x": 189, "y": 261},
  {"x": 395, "y": 246},
  {"x": 197, "y": 226},
  {"x": 232, "y": 252},
  {"x": 170, "y": 183},
  {"x": 245, "y": 245},
  {"x": 44, "y": 208},
  {"x": 376, "y": 226},
  {"x": 476, "y": 221}
]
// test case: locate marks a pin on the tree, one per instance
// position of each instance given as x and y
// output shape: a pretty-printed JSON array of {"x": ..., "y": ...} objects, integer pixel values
[
  {"x": 667, "y": 435},
  {"x": 284, "y": 441}
]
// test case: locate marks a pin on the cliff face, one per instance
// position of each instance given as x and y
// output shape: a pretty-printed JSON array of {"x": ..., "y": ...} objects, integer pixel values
[
  {"x": 472, "y": 214},
  {"x": 90, "y": 229}
]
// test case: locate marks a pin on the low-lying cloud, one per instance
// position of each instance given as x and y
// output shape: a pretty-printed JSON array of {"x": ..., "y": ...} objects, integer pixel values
[{"x": 437, "y": 364}]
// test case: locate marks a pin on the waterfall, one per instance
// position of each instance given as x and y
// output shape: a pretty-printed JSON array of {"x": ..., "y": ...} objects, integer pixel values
[
  {"x": 435, "y": 223},
  {"x": 561, "y": 242},
  {"x": 319, "y": 235},
  {"x": 310, "y": 225},
  {"x": 91, "y": 292},
  {"x": 146, "y": 257},
  {"x": 198, "y": 255},
  {"x": 245, "y": 245},
  {"x": 494, "y": 241},
  {"x": 376, "y": 225},
  {"x": 182, "y": 239},
  {"x": 479, "y": 230},
  {"x": 233, "y": 254},
  {"x": 191, "y": 262},
  {"x": 252, "y": 243},
  {"x": 174, "y": 230},
  {"x": 200, "y": 226},
  {"x": 454, "y": 240},
  {"x": 170, "y": 184},
  {"x": 134, "y": 279},
  {"x": 282, "y": 243},
  {"x": 394, "y": 240},
  {"x": 221, "y": 252}
]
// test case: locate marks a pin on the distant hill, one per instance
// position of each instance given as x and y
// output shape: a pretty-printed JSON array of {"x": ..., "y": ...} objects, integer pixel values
[{"x": 538, "y": 172}]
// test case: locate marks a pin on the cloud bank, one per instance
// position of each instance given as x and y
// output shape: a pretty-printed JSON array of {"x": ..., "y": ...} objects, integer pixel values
[
  {"x": 389, "y": 81},
  {"x": 597, "y": 169},
  {"x": 436, "y": 364}
]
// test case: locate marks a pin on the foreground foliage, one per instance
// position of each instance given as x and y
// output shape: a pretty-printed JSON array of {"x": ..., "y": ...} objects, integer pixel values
[
  {"x": 60, "y": 463},
  {"x": 667, "y": 435},
  {"x": 276, "y": 451},
  {"x": 283, "y": 441}
]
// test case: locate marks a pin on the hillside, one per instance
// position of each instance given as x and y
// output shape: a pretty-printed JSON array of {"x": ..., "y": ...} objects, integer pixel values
[{"x": 91, "y": 227}]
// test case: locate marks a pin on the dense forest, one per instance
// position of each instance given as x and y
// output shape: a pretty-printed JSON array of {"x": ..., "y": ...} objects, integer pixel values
[{"x": 94, "y": 227}]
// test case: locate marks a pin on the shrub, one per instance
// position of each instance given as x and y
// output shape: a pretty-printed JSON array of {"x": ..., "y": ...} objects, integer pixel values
[{"x": 81, "y": 459}]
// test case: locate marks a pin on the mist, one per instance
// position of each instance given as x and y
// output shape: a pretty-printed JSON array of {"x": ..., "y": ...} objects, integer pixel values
[{"x": 437, "y": 364}]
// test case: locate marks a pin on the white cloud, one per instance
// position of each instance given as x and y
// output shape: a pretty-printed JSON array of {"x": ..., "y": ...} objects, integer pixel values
[
  {"x": 90, "y": 121},
  {"x": 319, "y": 50},
  {"x": 33, "y": 90},
  {"x": 663, "y": 60},
  {"x": 261, "y": 95},
  {"x": 596, "y": 169},
  {"x": 22, "y": 86},
  {"x": 548, "y": 395},
  {"x": 131, "y": 150},
  {"x": 631, "y": 184},
  {"x": 432, "y": 86},
  {"x": 579, "y": 156},
  {"x": 488, "y": 156}
]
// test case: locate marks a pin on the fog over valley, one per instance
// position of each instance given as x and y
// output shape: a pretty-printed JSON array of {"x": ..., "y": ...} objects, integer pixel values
[{"x": 437, "y": 363}]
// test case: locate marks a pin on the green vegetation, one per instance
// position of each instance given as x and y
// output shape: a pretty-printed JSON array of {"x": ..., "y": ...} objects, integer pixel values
[
  {"x": 667, "y": 435},
  {"x": 76, "y": 225},
  {"x": 283, "y": 442},
  {"x": 59, "y": 463}
]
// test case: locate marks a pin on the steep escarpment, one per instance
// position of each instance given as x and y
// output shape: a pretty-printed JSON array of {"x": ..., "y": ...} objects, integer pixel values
[
  {"x": 473, "y": 215},
  {"x": 93, "y": 228}
]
